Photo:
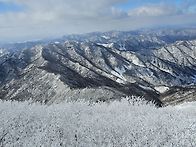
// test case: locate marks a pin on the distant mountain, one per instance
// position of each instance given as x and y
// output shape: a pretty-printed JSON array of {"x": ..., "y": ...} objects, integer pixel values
[{"x": 100, "y": 66}]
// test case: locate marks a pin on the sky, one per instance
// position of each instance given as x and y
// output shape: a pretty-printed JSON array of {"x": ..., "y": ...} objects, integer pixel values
[{"x": 22, "y": 20}]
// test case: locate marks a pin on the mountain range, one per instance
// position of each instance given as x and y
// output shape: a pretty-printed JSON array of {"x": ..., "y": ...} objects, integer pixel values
[{"x": 158, "y": 65}]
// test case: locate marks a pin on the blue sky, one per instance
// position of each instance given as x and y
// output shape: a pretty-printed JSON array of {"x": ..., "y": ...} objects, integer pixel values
[
  {"x": 131, "y": 5},
  {"x": 10, "y": 7},
  {"x": 35, "y": 19}
]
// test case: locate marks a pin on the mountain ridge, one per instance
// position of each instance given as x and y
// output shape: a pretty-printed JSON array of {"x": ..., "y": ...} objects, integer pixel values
[{"x": 78, "y": 68}]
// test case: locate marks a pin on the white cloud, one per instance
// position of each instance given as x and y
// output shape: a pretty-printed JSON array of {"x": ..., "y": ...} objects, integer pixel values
[
  {"x": 46, "y": 18},
  {"x": 155, "y": 10}
]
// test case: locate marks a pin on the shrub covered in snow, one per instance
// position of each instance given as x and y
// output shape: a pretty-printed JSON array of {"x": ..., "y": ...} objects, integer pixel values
[{"x": 125, "y": 123}]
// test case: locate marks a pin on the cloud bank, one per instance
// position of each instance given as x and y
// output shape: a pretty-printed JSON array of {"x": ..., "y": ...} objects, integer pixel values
[{"x": 52, "y": 18}]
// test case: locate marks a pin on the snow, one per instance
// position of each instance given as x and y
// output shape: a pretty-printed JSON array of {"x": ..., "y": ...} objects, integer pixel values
[
  {"x": 56, "y": 42},
  {"x": 194, "y": 79},
  {"x": 187, "y": 106},
  {"x": 145, "y": 87},
  {"x": 161, "y": 89},
  {"x": 120, "y": 81},
  {"x": 107, "y": 45},
  {"x": 105, "y": 37},
  {"x": 166, "y": 70},
  {"x": 119, "y": 73},
  {"x": 126, "y": 123},
  {"x": 121, "y": 70},
  {"x": 122, "y": 47},
  {"x": 2, "y": 52},
  {"x": 135, "y": 60},
  {"x": 179, "y": 43}
]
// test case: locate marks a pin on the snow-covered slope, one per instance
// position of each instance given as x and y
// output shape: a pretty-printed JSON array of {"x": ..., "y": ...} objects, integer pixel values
[
  {"x": 70, "y": 70},
  {"x": 101, "y": 68},
  {"x": 95, "y": 125},
  {"x": 178, "y": 95}
]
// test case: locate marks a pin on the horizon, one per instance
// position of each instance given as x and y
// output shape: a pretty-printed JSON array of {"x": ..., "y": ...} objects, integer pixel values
[
  {"x": 52, "y": 38},
  {"x": 35, "y": 20}
]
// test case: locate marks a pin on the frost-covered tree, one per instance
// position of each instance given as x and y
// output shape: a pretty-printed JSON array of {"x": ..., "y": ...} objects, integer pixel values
[{"x": 120, "y": 123}]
